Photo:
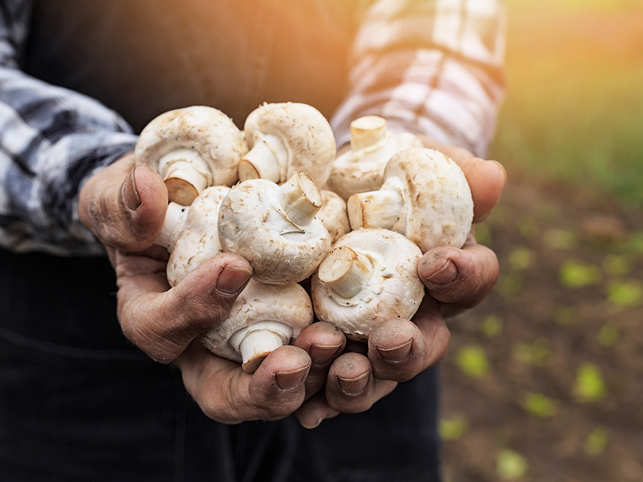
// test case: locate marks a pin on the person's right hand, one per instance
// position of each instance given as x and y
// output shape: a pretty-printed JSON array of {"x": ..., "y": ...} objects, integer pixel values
[{"x": 125, "y": 208}]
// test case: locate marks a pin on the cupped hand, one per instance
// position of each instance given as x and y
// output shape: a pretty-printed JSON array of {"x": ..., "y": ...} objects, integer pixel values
[
  {"x": 125, "y": 207},
  {"x": 397, "y": 351}
]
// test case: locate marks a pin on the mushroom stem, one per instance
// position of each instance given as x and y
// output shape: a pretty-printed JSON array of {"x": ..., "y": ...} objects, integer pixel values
[
  {"x": 376, "y": 209},
  {"x": 185, "y": 175},
  {"x": 175, "y": 217},
  {"x": 256, "y": 342},
  {"x": 345, "y": 271},
  {"x": 263, "y": 160},
  {"x": 301, "y": 198},
  {"x": 367, "y": 131}
]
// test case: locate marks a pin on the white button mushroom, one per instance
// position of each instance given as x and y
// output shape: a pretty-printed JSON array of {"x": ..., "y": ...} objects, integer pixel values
[
  {"x": 425, "y": 196},
  {"x": 367, "y": 279},
  {"x": 286, "y": 138},
  {"x": 262, "y": 318},
  {"x": 190, "y": 233},
  {"x": 192, "y": 148},
  {"x": 361, "y": 168},
  {"x": 275, "y": 228},
  {"x": 333, "y": 215}
]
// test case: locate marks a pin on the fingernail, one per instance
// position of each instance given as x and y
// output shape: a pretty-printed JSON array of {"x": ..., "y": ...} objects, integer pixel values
[
  {"x": 129, "y": 192},
  {"x": 352, "y": 387},
  {"x": 314, "y": 424},
  {"x": 291, "y": 379},
  {"x": 397, "y": 354},
  {"x": 444, "y": 274},
  {"x": 232, "y": 280},
  {"x": 323, "y": 354},
  {"x": 501, "y": 168}
]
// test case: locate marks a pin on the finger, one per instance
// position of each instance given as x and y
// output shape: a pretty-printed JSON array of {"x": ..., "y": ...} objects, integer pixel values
[
  {"x": 163, "y": 322},
  {"x": 459, "y": 277},
  {"x": 351, "y": 387},
  {"x": 227, "y": 394},
  {"x": 323, "y": 342},
  {"x": 314, "y": 411},
  {"x": 486, "y": 178},
  {"x": 124, "y": 205},
  {"x": 399, "y": 350}
]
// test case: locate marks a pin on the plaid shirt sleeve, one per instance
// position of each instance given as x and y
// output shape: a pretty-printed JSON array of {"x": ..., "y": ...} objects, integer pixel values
[
  {"x": 429, "y": 66},
  {"x": 51, "y": 141}
]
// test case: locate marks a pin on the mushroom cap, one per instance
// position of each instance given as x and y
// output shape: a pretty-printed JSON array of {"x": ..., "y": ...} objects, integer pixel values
[
  {"x": 199, "y": 239},
  {"x": 363, "y": 170},
  {"x": 333, "y": 215},
  {"x": 437, "y": 195},
  {"x": 304, "y": 132},
  {"x": 253, "y": 224},
  {"x": 258, "y": 302},
  {"x": 392, "y": 291},
  {"x": 205, "y": 130}
]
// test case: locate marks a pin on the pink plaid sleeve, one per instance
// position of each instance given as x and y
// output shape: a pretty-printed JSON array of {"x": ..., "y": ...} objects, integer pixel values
[{"x": 429, "y": 66}]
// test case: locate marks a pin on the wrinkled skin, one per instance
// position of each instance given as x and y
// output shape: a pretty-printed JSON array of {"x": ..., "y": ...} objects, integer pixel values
[{"x": 318, "y": 377}]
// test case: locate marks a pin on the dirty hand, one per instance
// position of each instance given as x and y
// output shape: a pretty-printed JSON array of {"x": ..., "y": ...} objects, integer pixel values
[
  {"x": 125, "y": 208},
  {"x": 455, "y": 279}
]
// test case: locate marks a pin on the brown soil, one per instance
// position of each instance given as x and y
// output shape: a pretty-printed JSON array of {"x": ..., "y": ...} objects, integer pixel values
[{"x": 568, "y": 323}]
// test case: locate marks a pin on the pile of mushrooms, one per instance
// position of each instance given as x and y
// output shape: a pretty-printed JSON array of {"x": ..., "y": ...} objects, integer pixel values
[{"x": 402, "y": 200}]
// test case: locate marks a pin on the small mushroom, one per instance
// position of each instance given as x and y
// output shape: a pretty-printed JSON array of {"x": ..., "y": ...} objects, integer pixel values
[
  {"x": 425, "y": 196},
  {"x": 190, "y": 233},
  {"x": 361, "y": 168},
  {"x": 192, "y": 148},
  {"x": 262, "y": 318},
  {"x": 333, "y": 215},
  {"x": 367, "y": 279},
  {"x": 286, "y": 138},
  {"x": 275, "y": 228}
]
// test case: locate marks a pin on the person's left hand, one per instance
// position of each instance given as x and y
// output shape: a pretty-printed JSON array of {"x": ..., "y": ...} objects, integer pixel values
[{"x": 456, "y": 279}]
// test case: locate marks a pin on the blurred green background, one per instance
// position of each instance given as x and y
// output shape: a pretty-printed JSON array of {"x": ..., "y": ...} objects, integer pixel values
[{"x": 544, "y": 381}]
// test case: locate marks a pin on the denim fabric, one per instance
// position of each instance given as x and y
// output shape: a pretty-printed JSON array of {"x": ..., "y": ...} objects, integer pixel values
[{"x": 78, "y": 403}]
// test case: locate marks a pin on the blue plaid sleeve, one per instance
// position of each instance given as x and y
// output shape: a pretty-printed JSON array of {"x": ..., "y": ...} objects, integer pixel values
[
  {"x": 51, "y": 141},
  {"x": 429, "y": 66}
]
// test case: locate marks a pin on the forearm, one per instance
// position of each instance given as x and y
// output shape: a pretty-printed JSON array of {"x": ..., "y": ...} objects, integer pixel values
[
  {"x": 429, "y": 67},
  {"x": 51, "y": 141}
]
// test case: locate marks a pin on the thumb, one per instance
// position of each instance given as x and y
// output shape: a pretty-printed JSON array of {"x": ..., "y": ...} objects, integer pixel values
[{"x": 124, "y": 205}]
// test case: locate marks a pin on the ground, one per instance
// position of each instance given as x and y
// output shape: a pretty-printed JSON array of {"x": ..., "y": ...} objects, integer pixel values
[{"x": 543, "y": 381}]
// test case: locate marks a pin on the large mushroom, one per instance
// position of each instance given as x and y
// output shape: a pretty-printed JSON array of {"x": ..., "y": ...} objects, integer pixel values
[
  {"x": 192, "y": 148},
  {"x": 275, "y": 228},
  {"x": 425, "y": 196},
  {"x": 333, "y": 215},
  {"x": 361, "y": 168},
  {"x": 286, "y": 138},
  {"x": 367, "y": 279},
  {"x": 190, "y": 233},
  {"x": 262, "y": 318}
]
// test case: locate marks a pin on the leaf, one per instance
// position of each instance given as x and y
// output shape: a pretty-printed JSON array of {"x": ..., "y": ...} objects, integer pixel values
[
  {"x": 539, "y": 405},
  {"x": 452, "y": 428},
  {"x": 589, "y": 386},
  {"x": 521, "y": 258},
  {"x": 536, "y": 353},
  {"x": 472, "y": 360},
  {"x": 625, "y": 294},
  {"x": 559, "y": 239},
  {"x": 596, "y": 441},
  {"x": 511, "y": 465},
  {"x": 616, "y": 265},
  {"x": 577, "y": 275},
  {"x": 492, "y": 326},
  {"x": 608, "y": 335},
  {"x": 509, "y": 285},
  {"x": 565, "y": 315}
]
